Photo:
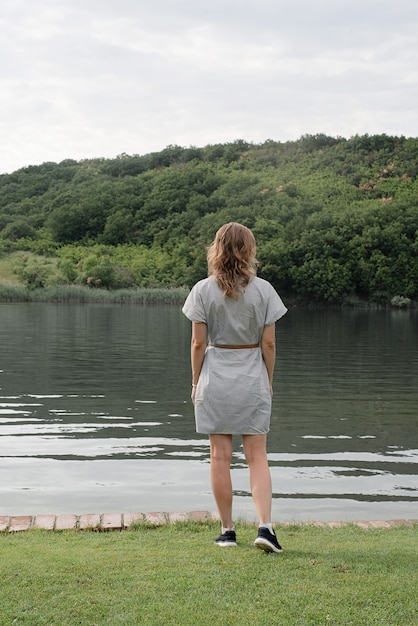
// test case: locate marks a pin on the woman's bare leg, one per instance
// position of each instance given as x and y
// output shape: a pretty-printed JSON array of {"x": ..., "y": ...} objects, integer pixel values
[
  {"x": 220, "y": 474},
  {"x": 260, "y": 479}
]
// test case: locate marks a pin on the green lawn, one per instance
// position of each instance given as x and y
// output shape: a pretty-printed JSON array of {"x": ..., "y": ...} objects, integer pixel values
[{"x": 174, "y": 574}]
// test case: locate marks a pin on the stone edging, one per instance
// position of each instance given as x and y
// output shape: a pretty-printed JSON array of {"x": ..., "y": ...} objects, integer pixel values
[
  {"x": 96, "y": 521},
  {"x": 122, "y": 521}
]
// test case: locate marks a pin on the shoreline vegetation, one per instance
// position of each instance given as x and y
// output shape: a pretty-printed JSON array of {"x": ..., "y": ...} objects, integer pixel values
[{"x": 82, "y": 294}]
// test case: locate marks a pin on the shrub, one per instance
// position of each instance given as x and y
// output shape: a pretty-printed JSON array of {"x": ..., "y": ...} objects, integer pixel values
[{"x": 400, "y": 302}]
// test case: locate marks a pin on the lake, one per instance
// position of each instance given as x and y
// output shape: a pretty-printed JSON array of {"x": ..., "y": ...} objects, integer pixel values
[{"x": 95, "y": 414}]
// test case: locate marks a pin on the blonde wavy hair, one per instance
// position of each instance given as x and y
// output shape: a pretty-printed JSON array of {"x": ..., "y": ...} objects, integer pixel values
[{"x": 231, "y": 258}]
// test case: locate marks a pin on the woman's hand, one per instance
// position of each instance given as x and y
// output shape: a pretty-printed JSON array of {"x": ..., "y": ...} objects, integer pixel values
[{"x": 194, "y": 393}]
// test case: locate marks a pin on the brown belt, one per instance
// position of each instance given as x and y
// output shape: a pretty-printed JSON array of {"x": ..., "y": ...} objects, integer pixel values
[{"x": 249, "y": 345}]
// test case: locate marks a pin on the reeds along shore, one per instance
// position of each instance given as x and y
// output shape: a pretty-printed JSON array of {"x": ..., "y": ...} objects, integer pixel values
[{"x": 82, "y": 294}]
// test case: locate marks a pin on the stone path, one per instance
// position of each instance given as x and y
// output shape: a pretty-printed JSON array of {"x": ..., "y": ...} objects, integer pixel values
[{"x": 122, "y": 521}]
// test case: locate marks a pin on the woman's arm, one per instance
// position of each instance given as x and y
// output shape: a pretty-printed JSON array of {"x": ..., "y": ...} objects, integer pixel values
[
  {"x": 197, "y": 351},
  {"x": 268, "y": 349}
]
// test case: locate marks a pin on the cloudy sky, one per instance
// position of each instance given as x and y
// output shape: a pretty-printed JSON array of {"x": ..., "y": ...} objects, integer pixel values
[{"x": 96, "y": 78}]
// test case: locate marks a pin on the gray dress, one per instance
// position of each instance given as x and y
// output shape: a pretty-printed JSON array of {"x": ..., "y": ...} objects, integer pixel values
[{"x": 233, "y": 393}]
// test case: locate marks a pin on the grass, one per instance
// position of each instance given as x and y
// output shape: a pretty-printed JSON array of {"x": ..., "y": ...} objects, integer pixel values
[
  {"x": 175, "y": 575},
  {"x": 81, "y": 294},
  {"x": 7, "y": 273}
]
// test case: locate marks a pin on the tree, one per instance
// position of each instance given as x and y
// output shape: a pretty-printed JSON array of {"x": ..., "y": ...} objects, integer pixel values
[{"x": 18, "y": 229}]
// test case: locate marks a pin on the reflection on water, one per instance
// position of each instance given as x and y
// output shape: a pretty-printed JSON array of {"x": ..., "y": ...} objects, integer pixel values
[{"x": 95, "y": 414}]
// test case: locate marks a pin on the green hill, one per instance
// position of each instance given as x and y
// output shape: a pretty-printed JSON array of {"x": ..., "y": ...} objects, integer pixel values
[{"x": 335, "y": 219}]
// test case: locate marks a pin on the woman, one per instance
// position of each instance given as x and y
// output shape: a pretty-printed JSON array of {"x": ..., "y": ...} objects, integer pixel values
[{"x": 233, "y": 315}]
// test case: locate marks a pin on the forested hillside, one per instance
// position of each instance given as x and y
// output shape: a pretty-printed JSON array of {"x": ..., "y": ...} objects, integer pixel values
[{"x": 336, "y": 220}]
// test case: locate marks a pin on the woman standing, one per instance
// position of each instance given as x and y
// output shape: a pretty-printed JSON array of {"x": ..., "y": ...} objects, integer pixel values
[{"x": 233, "y": 315}]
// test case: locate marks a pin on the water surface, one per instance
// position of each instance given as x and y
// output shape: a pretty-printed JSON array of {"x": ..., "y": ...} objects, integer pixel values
[{"x": 95, "y": 414}]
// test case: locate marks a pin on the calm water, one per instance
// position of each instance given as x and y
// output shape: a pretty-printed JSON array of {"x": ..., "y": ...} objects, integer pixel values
[{"x": 95, "y": 414}]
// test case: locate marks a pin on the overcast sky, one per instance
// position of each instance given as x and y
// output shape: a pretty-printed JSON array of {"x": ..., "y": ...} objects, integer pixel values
[{"x": 96, "y": 78}]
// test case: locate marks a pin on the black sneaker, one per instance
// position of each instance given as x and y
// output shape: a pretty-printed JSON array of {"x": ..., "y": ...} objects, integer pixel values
[
  {"x": 227, "y": 539},
  {"x": 267, "y": 541}
]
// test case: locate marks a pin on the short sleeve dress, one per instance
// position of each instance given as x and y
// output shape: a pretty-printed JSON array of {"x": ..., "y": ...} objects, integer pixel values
[{"x": 233, "y": 392}]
